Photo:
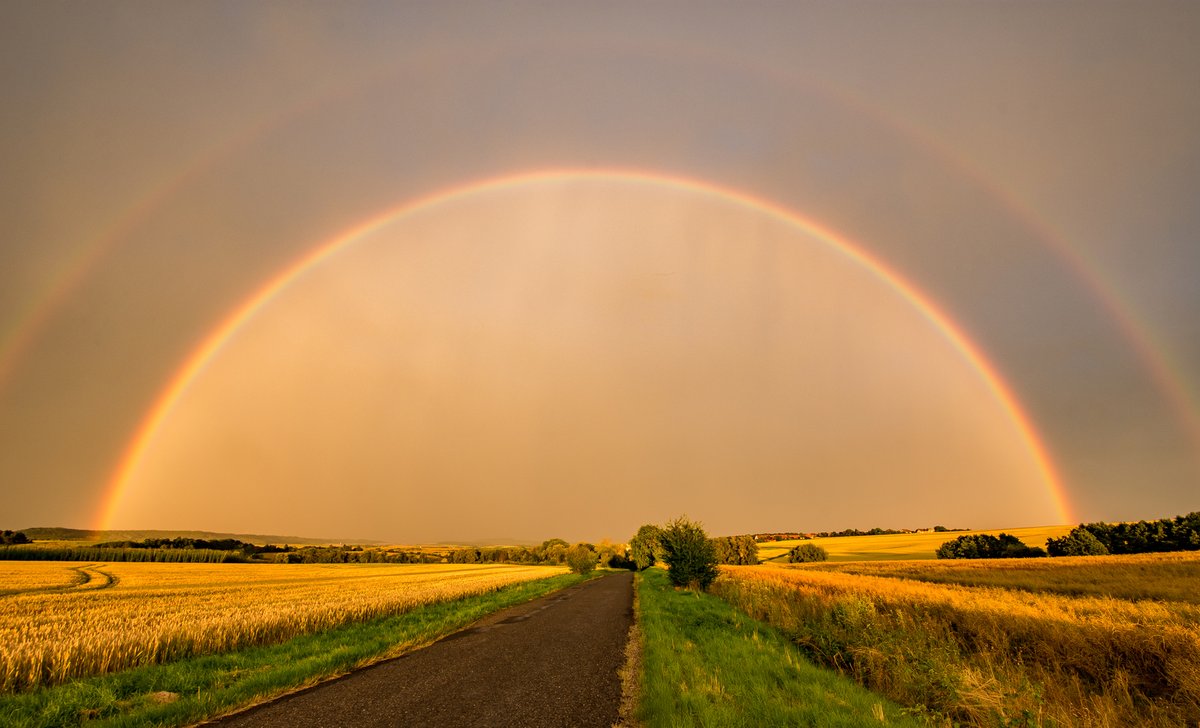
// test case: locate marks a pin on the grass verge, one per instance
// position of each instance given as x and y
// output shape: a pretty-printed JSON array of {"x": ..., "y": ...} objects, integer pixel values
[
  {"x": 707, "y": 664},
  {"x": 194, "y": 689},
  {"x": 979, "y": 656}
]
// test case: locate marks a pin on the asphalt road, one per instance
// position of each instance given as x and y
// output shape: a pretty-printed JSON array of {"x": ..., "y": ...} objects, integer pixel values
[{"x": 550, "y": 662}]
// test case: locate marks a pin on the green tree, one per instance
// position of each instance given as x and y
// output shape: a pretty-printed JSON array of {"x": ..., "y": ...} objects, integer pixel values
[
  {"x": 10, "y": 537},
  {"x": 645, "y": 545},
  {"x": 986, "y": 546},
  {"x": 1079, "y": 542},
  {"x": 581, "y": 558},
  {"x": 552, "y": 550},
  {"x": 806, "y": 552},
  {"x": 736, "y": 550},
  {"x": 689, "y": 553}
]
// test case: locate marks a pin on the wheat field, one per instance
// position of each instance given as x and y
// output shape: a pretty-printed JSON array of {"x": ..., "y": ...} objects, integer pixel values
[
  {"x": 1164, "y": 577},
  {"x": 20, "y": 576},
  {"x": 901, "y": 545},
  {"x": 59, "y": 621},
  {"x": 983, "y": 655}
]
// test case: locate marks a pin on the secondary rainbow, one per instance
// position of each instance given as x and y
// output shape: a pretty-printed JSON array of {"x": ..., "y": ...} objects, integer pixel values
[{"x": 199, "y": 358}]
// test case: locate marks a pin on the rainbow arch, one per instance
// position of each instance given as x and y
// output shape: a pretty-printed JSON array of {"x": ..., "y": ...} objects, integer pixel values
[{"x": 211, "y": 346}]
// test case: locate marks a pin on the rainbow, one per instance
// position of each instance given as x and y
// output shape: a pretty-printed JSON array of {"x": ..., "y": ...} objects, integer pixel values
[
  {"x": 212, "y": 345},
  {"x": 19, "y": 335}
]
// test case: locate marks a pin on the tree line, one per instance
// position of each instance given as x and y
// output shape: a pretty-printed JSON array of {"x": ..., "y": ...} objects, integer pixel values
[
  {"x": 1181, "y": 533},
  {"x": 220, "y": 544}
]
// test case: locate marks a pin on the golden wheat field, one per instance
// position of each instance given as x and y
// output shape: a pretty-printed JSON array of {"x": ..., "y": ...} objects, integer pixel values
[
  {"x": 1169, "y": 577},
  {"x": 983, "y": 655},
  {"x": 63, "y": 620},
  {"x": 24, "y": 576}
]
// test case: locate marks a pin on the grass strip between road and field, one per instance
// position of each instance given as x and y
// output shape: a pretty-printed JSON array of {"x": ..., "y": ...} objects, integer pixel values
[
  {"x": 197, "y": 688},
  {"x": 706, "y": 664}
]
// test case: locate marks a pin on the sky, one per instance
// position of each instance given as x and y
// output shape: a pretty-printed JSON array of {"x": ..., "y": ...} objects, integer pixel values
[{"x": 425, "y": 272}]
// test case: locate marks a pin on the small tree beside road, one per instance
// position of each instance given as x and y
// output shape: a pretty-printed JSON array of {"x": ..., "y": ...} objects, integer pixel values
[
  {"x": 689, "y": 553},
  {"x": 581, "y": 558}
]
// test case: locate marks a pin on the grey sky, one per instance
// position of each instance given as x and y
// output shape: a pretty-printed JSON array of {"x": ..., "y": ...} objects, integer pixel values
[{"x": 185, "y": 153}]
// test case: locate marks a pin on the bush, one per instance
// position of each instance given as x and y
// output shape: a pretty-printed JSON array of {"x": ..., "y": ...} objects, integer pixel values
[
  {"x": 986, "y": 546},
  {"x": 581, "y": 558},
  {"x": 807, "y": 552},
  {"x": 1079, "y": 542},
  {"x": 689, "y": 554}
]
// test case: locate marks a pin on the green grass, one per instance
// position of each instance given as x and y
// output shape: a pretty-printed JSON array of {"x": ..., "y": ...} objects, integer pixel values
[
  {"x": 905, "y": 546},
  {"x": 707, "y": 664},
  {"x": 211, "y": 685}
]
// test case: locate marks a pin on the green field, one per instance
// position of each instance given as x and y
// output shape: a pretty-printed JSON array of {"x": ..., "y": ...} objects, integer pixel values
[{"x": 903, "y": 546}]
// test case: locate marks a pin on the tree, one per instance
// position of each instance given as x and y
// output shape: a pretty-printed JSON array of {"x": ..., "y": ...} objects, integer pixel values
[
  {"x": 553, "y": 550},
  {"x": 736, "y": 550},
  {"x": 986, "y": 546},
  {"x": 689, "y": 554},
  {"x": 806, "y": 552},
  {"x": 581, "y": 558},
  {"x": 1079, "y": 542},
  {"x": 10, "y": 537},
  {"x": 645, "y": 544}
]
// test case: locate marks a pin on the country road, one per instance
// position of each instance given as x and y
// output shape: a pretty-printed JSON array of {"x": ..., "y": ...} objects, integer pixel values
[{"x": 550, "y": 662}]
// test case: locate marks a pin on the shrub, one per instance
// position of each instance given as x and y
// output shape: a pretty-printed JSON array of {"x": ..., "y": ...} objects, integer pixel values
[
  {"x": 689, "y": 554},
  {"x": 581, "y": 558},
  {"x": 807, "y": 552},
  {"x": 1079, "y": 542}
]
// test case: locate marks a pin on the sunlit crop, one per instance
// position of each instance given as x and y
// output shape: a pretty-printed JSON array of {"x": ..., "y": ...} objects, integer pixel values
[
  {"x": 901, "y": 545},
  {"x": 1170, "y": 576},
  {"x": 129, "y": 614},
  {"x": 989, "y": 656},
  {"x": 18, "y": 577}
]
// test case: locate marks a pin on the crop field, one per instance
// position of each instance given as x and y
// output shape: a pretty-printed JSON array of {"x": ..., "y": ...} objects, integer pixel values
[
  {"x": 1170, "y": 576},
  {"x": 901, "y": 545},
  {"x": 985, "y": 655},
  {"x": 59, "y": 621},
  {"x": 17, "y": 577}
]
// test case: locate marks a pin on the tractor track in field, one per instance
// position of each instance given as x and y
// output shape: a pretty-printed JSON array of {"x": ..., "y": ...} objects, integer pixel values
[
  {"x": 550, "y": 662},
  {"x": 89, "y": 577}
]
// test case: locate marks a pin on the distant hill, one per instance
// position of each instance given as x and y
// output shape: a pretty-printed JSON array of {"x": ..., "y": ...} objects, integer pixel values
[{"x": 77, "y": 534}]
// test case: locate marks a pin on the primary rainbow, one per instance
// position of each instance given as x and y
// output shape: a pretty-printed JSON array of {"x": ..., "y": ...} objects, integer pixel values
[{"x": 228, "y": 328}]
